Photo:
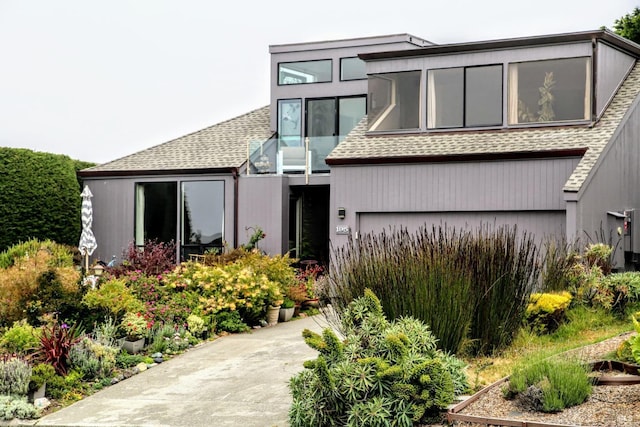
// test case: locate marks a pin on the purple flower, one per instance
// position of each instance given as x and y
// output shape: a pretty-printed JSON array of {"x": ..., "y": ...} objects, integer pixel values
[{"x": 64, "y": 326}]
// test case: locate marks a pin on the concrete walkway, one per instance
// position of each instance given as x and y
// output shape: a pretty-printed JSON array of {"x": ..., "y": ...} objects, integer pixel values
[{"x": 237, "y": 380}]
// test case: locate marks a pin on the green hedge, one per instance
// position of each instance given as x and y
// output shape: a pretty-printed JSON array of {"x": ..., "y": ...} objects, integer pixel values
[{"x": 39, "y": 197}]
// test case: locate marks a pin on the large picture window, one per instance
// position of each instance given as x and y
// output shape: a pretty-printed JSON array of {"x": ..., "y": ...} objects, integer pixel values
[
  {"x": 394, "y": 101},
  {"x": 291, "y": 73},
  {"x": 198, "y": 221},
  {"x": 156, "y": 212},
  {"x": 464, "y": 97},
  {"x": 202, "y": 215},
  {"x": 550, "y": 91}
]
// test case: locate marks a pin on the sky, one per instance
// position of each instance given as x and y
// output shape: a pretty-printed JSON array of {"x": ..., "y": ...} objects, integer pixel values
[{"x": 99, "y": 80}]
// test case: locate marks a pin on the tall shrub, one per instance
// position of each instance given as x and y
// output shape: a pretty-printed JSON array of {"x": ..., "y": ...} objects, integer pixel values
[
  {"x": 465, "y": 284},
  {"x": 39, "y": 197}
]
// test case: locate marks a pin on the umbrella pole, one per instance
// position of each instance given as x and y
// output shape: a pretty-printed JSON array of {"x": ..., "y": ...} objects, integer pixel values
[{"x": 86, "y": 263}]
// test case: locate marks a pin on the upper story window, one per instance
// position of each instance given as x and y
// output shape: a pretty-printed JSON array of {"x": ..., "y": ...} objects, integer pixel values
[
  {"x": 352, "y": 69},
  {"x": 550, "y": 91},
  {"x": 394, "y": 101},
  {"x": 290, "y": 73},
  {"x": 464, "y": 97}
]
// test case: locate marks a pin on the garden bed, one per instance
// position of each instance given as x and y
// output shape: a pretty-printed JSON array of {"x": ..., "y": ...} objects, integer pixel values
[{"x": 609, "y": 405}]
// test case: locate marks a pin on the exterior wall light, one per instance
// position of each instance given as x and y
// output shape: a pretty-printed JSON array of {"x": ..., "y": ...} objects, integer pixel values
[{"x": 341, "y": 213}]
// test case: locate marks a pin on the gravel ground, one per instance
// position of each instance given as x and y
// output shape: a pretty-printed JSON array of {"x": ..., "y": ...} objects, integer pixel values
[{"x": 617, "y": 406}]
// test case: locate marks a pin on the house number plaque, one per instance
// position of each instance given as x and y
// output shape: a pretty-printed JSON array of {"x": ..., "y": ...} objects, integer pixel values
[{"x": 343, "y": 229}]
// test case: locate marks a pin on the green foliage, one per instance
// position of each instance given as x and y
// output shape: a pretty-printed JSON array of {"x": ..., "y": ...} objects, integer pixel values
[
  {"x": 20, "y": 338},
  {"x": 195, "y": 324},
  {"x": 384, "y": 373},
  {"x": 549, "y": 385},
  {"x": 628, "y": 26},
  {"x": 40, "y": 374},
  {"x": 558, "y": 259},
  {"x": 125, "y": 360},
  {"x": 113, "y": 296},
  {"x": 39, "y": 197},
  {"x": 468, "y": 286},
  {"x": 106, "y": 332},
  {"x": 17, "y": 407},
  {"x": 616, "y": 291},
  {"x": 92, "y": 359},
  {"x": 134, "y": 325},
  {"x": 15, "y": 374},
  {"x": 230, "y": 321},
  {"x": 546, "y": 311},
  {"x": 599, "y": 254},
  {"x": 39, "y": 277},
  {"x": 60, "y": 255}
]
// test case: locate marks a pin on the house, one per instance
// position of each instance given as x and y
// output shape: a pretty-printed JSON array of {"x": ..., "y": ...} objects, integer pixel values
[{"x": 367, "y": 134}]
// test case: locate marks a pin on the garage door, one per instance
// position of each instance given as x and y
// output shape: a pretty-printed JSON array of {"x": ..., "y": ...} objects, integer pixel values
[{"x": 539, "y": 223}]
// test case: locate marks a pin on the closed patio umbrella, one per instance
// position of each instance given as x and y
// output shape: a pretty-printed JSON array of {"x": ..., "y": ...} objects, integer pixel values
[{"x": 87, "y": 240}]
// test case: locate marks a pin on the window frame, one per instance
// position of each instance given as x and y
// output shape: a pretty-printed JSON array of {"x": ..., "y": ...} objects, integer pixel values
[
  {"x": 342, "y": 79},
  {"x": 384, "y": 114},
  {"x": 465, "y": 97},
  {"x": 329, "y": 60},
  {"x": 513, "y": 99}
]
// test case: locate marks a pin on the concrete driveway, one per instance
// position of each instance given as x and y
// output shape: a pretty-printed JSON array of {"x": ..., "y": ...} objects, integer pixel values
[{"x": 237, "y": 380}]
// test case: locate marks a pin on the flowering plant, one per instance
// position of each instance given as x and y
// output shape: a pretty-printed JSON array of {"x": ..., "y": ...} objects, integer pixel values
[{"x": 134, "y": 325}]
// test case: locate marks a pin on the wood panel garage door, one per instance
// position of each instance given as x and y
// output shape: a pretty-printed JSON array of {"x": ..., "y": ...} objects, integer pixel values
[{"x": 539, "y": 223}]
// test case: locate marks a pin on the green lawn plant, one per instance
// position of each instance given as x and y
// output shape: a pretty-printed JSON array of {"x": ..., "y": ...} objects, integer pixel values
[{"x": 383, "y": 373}]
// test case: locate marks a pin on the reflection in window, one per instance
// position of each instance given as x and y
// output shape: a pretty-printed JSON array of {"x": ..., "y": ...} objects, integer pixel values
[
  {"x": 549, "y": 91},
  {"x": 290, "y": 73},
  {"x": 394, "y": 101},
  {"x": 290, "y": 121},
  {"x": 202, "y": 215},
  {"x": 352, "y": 69},
  {"x": 352, "y": 110},
  {"x": 464, "y": 97},
  {"x": 446, "y": 98},
  {"x": 156, "y": 212}
]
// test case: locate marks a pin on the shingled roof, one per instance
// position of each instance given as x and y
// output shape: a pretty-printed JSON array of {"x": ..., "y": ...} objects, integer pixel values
[
  {"x": 358, "y": 147},
  {"x": 218, "y": 147}
]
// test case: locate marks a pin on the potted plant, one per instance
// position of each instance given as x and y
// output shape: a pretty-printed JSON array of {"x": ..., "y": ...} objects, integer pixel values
[
  {"x": 40, "y": 374},
  {"x": 134, "y": 326},
  {"x": 286, "y": 310}
]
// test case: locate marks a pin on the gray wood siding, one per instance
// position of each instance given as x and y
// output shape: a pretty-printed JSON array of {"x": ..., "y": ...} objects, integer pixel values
[
  {"x": 264, "y": 202},
  {"x": 113, "y": 207},
  {"x": 480, "y": 58},
  {"x": 614, "y": 184},
  {"x": 114, "y": 210},
  {"x": 612, "y": 68},
  {"x": 491, "y": 187},
  {"x": 540, "y": 224}
]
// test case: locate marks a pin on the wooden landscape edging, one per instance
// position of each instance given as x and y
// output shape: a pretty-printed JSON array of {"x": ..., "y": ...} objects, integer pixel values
[{"x": 453, "y": 413}]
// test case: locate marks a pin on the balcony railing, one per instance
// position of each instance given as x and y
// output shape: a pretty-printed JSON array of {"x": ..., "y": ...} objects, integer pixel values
[{"x": 290, "y": 155}]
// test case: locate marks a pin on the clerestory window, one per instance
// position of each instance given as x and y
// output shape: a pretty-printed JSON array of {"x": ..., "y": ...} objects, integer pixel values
[{"x": 304, "y": 72}]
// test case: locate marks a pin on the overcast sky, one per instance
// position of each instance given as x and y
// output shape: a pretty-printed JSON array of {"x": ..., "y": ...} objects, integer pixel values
[{"x": 98, "y": 80}]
